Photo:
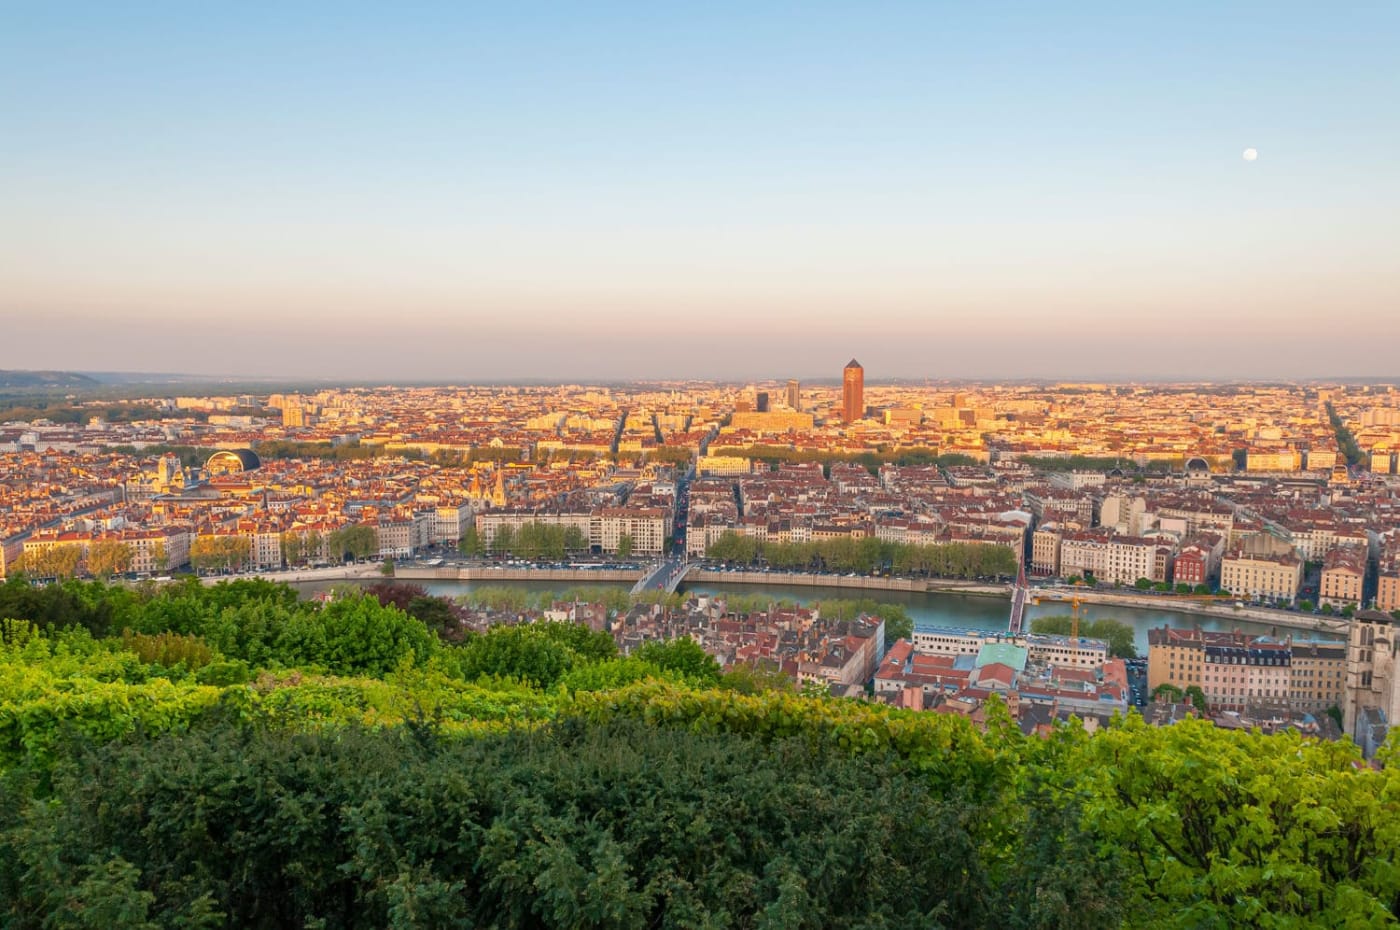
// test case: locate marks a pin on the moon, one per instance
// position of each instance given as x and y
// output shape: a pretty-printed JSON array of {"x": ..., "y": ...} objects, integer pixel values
[{"x": 1251, "y": 154}]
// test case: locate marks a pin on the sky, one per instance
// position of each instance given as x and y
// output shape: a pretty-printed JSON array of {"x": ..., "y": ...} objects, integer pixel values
[{"x": 484, "y": 191}]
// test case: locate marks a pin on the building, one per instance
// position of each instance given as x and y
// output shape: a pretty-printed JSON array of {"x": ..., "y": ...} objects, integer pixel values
[
  {"x": 794, "y": 394},
  {"x": 771, "y": 421},
  {"x": 1237, "y": 675},
  {"x": 1371, "y": 690},
  {"x": 1198, "y": 561},
  {"x": 761, "y": 402},
  {"x": 1319, "y": 677},
  {"x": 1343, "y": 575},
  {"x": 1273, "y": 577},
  {"x": 852, "y": 392},
  {"x": 1236, "y": 671},
  {"x": 1109, "y": 558},
  {"x": 1045, "y": 550}
]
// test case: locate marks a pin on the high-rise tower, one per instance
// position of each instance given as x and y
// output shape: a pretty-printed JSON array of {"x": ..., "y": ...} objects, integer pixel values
[
  {"x": 794, "y": 394},
  {"x": 852, "y": 392}
]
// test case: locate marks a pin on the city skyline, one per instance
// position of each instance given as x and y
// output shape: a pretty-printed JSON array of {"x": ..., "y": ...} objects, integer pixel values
[{"x": 493, "y": 194}]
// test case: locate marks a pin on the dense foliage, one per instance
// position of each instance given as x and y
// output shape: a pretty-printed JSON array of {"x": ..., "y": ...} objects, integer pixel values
[{"x": 211, "y": 756}]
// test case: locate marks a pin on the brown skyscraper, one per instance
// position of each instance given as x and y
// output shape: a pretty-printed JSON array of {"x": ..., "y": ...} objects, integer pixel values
[{"x": 852, "y": 392}]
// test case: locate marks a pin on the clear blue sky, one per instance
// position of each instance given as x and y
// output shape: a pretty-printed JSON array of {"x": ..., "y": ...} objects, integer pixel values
[{"x": 524, "y": 190}]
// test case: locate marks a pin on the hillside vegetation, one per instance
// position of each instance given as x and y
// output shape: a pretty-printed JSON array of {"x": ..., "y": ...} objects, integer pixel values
[{"x": 230, "y": 756}]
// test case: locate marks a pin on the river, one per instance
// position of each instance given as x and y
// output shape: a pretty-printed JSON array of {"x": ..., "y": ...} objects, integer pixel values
[{"x": 932, "y": 609}]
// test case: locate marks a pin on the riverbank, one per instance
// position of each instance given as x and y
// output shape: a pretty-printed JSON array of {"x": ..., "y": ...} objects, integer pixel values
[
  {"x": 1281, "y": 618},
  {"x": 855, "y": 582},
  {"x": 488, "y": 574},
  {"x": 300, "y": 575}
]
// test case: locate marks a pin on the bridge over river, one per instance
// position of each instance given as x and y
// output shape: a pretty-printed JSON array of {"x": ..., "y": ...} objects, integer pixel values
[{"x": 665, "y": 575}]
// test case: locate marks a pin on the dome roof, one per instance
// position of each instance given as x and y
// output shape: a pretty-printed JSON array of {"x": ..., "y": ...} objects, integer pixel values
[{"x": 232, "y": 461}]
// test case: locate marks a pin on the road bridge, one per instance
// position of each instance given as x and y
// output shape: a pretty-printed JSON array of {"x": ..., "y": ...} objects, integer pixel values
[{"x": 665, "y": 576}]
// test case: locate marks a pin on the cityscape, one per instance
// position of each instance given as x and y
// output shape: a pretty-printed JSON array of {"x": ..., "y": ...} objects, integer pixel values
[
  {"x": 1272, "y": 505},
  {"x": 699, "y": 466}
]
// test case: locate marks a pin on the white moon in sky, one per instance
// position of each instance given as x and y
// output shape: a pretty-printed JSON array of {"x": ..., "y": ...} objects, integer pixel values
[{"x": 1251, "y": 154}]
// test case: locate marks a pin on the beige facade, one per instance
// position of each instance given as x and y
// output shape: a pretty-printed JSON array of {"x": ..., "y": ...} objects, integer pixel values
[
  {"x": 1388, "y": 591},
  {"x": 771, "y": 421},
  {"x": 1318, "y": 676},
  {"x": 1175, "y": 657},
  {"x": 1343, "y": 574},
  {"x": 1045, "y": 552},
  {"x": 1272, "y": 460},
  {"x": 1273, "y": 577}
]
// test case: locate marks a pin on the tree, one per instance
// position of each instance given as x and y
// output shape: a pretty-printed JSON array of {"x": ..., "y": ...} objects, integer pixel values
[
  {"x": 1306, "y": 606},
  {"x": 357, "y": 542},
  {"x": 160, "y": 556},
  {"x": 1143, "y": 584},
  {"x": 504, "y": 540},
  {"x": 59, "y": 561},
  {"x": 1171, "y": 691},
  {"x": 682, "y": 655},
  {"x": 220, "y": 553},
  {"x": 574, "y": 540},
  {"x": 293, "y": 548},
  {"x": 520, "y": 652},
  {"x": 108, "y": 557},
  {"x": 355, "y": 635},
  {"x": 1198, "y": 698},
  {"x": 624, "y": 546},
  {"x": 470, "y": 543}
]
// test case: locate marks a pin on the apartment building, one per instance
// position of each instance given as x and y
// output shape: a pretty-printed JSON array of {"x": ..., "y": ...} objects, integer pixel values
[
  {"x": 1343, "y": 576},
  {"x": 1236, "y": 671},
  {"x": 1045, "y": 550},
  {"x": 1109, "y": 558},
  {"x": 1388, "y": 576},
  {"x": 648, "y": 528},
  {"x": 1318, "y": 673},
  {"x": 1237, "y": 675},
  {"x": 1274, "y": 577}
]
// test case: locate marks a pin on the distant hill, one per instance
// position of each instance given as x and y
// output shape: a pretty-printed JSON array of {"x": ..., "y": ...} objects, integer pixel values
[{"x": 44, "y": 380}]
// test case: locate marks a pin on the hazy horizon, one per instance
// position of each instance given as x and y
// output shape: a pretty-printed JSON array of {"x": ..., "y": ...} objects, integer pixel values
[{"x": 628, "y": 192}]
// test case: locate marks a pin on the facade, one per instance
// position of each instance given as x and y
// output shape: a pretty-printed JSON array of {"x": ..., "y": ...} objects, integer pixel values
[
  {"x": 647, "y": 526},
  {"x": 1275, "y": 577},
  {"x": 1108, "y": 558},
  {"x": 852, "y": 392},
  {"x": 1343, "y": 574},
  {"x": 1237, "y": 672},
  {"x": 723, "y": 465},
  {"x": 794, "y": 394},
  {"x": 1045, "y": 551},
  {"x": 1318, "y": 676},
  {"x": 1388, "y": 574},
  {"x": 1235, "y": 676},
  {"x": 1059, "y": 651},
  {"x": 1371, "y": 691},
  {"x": 450, "y": 522},
  {"x": 772, "y": 421}
]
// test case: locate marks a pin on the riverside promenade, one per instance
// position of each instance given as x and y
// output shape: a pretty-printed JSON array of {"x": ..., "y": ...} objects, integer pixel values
[{"x": 1223, "y": 610}]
